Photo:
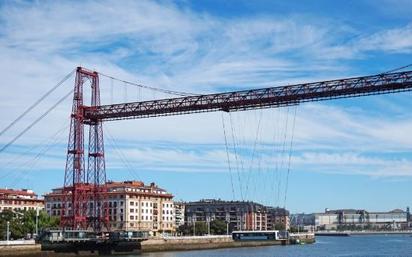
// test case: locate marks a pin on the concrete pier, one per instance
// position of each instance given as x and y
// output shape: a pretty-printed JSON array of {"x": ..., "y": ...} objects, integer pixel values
[
  {"x": 213, "y": 242},
  {"x": 159, "y": 245}
]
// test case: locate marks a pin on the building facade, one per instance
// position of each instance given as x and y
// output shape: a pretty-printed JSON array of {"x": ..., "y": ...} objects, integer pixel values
[
  {"x": 132, "y": 206},
  {"x": 277, "y": 218},
  {"x": 239, "y": 214},
  {"x": 302, "y": 219},
  {"x": 179, "y": 213},
  {"x": 351, "y": 218},
  {"x": 19, "y": 200}
]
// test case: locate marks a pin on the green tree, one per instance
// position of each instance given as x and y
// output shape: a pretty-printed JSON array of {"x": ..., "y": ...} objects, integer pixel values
[
  {"x": 218, "y": 227},
  {"x": 201, "y": 228},
  {"x": 185, "y": 230},
  {"x": 279, "y": 226},
  {"x": 24, "y": 222},
  {"x": 5, "y": 216}
]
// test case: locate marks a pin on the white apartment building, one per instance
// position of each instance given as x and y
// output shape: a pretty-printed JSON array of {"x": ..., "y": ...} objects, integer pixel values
[
  {"x": 179, "y": 213},
  {"x": 19, "y": 200},
  {"x": 132, "y": 206}
]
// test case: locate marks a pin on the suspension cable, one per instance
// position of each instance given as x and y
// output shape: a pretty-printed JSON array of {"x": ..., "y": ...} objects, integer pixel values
[
  {"x": 282, "y": 156},
  {"x": 290, "y": 156},
  {"x": 130, "y": 168},
  {"x": 228, "y": 157},
  {"x": 29, "y": 150},
  {"x": 397, "y": 69},
  {"x": 30, "y": 164},
  {"x": 235, "y": 145},
  {"x": 36, "y": 121},
  {"x": 37, "y": 102},
  {"x": 170, "y": 92},
  {"x": 254, "y": 151}
]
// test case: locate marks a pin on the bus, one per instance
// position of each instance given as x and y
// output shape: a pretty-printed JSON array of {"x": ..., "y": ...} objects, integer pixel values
[{"x": 275, "y": 235}]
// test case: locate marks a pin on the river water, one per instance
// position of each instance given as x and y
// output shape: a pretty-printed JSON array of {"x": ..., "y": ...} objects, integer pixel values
[{"x": 376, "y": 245}]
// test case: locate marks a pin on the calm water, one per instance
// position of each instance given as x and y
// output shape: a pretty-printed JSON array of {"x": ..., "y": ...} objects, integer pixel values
[{"x": 325, "y": 246}]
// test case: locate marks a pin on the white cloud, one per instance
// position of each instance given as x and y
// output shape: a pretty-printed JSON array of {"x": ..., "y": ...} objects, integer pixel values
[
  {"x": 167, "y": 46},
  {"x": 398, "y": 40}
]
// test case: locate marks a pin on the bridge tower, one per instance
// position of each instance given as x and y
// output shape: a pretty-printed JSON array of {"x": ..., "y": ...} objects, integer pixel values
[{"x": 84, "y": 194}]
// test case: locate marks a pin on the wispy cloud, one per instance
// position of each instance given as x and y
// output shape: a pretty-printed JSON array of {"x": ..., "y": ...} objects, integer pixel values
[{"x": 164, "y": 45}]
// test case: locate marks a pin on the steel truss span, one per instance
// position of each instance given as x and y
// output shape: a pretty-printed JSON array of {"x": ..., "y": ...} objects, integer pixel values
[
  {"x": 255, "y": 98},
  {"x": 85, "y": 202}
]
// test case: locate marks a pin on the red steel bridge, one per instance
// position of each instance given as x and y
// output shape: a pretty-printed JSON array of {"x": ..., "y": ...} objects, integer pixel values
[{"x": 85, "y": 205}]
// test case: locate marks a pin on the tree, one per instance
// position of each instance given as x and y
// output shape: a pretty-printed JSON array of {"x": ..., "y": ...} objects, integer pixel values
[
  {"x": 23, "y": 223},
  {"x": 218, "y": 227},
  {"x": 5, "y": 216},
  {"x": 201, "y": 228},
  {"x": 280, "y": 226},
  {"x": 185, "y": 229}
]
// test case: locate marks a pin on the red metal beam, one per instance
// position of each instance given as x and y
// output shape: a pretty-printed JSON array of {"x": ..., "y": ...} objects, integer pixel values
[{"x": 255, "y": 98}]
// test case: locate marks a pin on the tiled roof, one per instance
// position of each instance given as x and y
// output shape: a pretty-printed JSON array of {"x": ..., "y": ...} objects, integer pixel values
[{"x": 16, "y": 192}]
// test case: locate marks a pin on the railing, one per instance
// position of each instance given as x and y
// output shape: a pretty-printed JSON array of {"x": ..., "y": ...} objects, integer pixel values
[
  {"x": 18, "y": 242},
  {"x": 166, "y": 237},
  {"x": 302, "y": 235}
]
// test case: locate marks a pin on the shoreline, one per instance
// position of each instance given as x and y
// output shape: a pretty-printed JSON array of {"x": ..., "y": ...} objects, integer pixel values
[
  {"x": 163, "y": 245},
  {"x": 362, "y": 233}
]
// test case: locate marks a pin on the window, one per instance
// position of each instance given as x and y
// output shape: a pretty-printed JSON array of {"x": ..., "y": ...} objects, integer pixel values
[
  {"x": 132, "y": 203},
  {"x": 131, "y": 210},
  {"x": 131, "y": 217}
]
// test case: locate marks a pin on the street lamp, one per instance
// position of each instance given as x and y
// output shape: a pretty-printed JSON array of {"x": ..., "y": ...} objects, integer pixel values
[
  {"x": 8, "y": 232},
  {"x": 208, "y": 225},
  {"x": 227, "y": 224},
  {"x": 194, "y": 225},
  {"x": 37, "y": 221}
]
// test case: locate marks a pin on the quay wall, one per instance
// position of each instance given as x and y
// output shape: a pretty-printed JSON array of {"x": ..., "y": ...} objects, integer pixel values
[
  {"x": 158, "y": 245},
  {"x": 199, "y": 243},
  {"x": 20, "y": 250}
]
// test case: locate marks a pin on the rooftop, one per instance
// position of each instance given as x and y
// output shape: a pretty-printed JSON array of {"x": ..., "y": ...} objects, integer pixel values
[
  {"x": 23, "y": 192},
  {"x": 130, "y": 186}
]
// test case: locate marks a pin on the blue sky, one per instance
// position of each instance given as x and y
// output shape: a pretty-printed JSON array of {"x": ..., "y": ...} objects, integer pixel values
[{"x": 351, "y": 153}]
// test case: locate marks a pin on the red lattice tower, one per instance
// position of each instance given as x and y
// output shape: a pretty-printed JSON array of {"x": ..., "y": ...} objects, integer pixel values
[{"x": 84, "y": 192}]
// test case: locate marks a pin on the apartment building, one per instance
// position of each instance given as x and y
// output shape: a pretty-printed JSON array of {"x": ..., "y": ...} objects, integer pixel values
[
  {"x": 240, "y": 215},
  {"x": 19, "y": 200},
  {"x": 179, "y": 213},
  {"x": 277, "y": 218},
  {"x": 132, "y": 205}
]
